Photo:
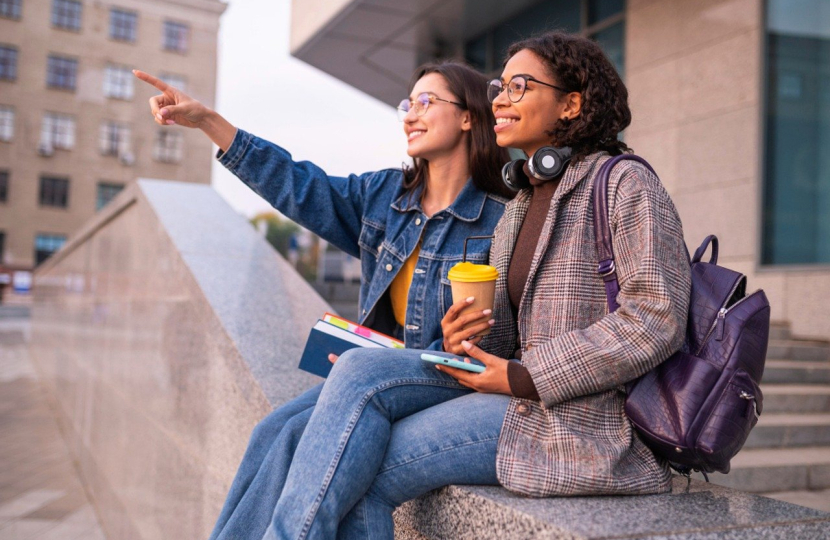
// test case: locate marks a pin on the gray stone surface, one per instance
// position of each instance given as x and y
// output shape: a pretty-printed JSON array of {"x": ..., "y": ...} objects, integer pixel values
[{"x": 704, "y": 511}]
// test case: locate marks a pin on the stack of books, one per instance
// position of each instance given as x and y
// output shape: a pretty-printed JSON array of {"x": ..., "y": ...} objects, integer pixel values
[{"x": 336, "y": 335}]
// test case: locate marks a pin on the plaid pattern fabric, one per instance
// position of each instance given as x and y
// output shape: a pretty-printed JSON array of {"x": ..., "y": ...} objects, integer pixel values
[{"x": 577, "y": 440}]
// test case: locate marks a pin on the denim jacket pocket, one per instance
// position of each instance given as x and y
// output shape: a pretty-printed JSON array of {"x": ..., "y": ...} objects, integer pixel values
[
  {"x": 445, "y": 298},
  {"x": 371, "y": 238}
]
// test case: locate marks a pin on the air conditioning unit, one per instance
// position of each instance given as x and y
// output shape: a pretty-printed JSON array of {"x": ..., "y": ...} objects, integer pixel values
[
  {"x": 127, "y": 158},
  {"x": 45, "y": 149}
]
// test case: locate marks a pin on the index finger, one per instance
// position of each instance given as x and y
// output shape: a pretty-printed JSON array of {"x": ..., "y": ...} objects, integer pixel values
[{"x": 146, "y": 77}]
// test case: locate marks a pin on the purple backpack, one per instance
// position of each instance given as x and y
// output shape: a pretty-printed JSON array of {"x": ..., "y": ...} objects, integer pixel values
[{"x": 697, "y": 408}]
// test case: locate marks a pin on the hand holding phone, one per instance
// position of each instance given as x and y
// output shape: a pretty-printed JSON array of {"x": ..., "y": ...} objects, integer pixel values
[{"x": 474, "y": 365}]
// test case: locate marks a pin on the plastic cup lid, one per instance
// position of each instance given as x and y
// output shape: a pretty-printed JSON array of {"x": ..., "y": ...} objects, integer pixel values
[{"x": 472, "y": 273}]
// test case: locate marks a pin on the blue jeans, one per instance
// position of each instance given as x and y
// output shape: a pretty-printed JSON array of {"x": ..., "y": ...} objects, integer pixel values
[
  {"x": 387, "y": 427},
  {"x": 258, "y": 483}
]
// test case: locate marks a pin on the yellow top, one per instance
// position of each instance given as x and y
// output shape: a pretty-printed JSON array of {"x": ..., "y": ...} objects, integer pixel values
[
  {"x": 399, "y": 289},
  {"x": 467, "y": 272}
]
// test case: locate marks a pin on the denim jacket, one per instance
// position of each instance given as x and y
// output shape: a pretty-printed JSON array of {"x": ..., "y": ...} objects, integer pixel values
[{"x": 372, "y": 217}]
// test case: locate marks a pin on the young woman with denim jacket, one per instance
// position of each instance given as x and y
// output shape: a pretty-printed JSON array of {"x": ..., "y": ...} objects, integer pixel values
[
  {"x": 406, "y": 227},
  {"x": 388, "y": 427}
]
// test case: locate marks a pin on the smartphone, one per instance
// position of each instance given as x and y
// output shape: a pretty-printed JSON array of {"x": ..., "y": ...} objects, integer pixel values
[{"x": 475, "y": 366}]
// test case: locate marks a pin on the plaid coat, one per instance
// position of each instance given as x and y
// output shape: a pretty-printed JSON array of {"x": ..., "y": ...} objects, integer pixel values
[{"x": 577, "y": 440}]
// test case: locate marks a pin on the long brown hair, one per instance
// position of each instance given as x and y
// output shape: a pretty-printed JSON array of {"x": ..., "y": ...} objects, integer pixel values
[
  {"x": 469, "y": 87},
  {"x": 580, "y": 65}
]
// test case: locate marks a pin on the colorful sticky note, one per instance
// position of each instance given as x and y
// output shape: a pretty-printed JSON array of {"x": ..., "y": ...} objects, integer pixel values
[{"x": 339, "y": 323}]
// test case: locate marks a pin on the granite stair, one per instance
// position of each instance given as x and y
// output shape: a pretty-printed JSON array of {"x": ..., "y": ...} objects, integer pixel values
[{"x": 789, "y": 449}]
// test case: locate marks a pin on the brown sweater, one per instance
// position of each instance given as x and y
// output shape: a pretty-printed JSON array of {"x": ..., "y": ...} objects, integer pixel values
[{"x": 521, "y": 384}]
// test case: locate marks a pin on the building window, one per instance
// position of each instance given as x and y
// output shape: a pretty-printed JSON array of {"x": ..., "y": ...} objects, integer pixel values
[
  {"x": 106, "y": 192},
  {"x": 54, "y": 191},
  {"x": 2, "y": 246},
  {"x": 118, "y": 82},
  {"x": 8, "y": 63},
  {"x": 796, "y": 207},
  {"x": 169, "y": 146},
  {"x": 114, "y": 139},
  {"x": 61, "y": 72},
  {"x": 4, "y": 186},
  {"x": 123, "y": 24},
  {"x": 10, "y": 9},
  {"x": 175, "y": 36},
  {"x": 46, "y": 244},
  {"x": 6, "y": 123},
  {"x": 176, "y": 81},
  {"x": 601, "y": 20},
  {"x": 58, "y": 131},
  {"x": 66, "y": 14}
]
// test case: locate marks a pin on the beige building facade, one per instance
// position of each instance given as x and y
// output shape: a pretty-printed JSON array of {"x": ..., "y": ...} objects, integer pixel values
[
  {"x": 75, "y": 126},
  {"x": 730, "y": 102}
]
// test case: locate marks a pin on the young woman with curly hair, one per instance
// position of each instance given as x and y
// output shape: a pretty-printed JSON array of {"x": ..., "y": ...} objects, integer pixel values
[{"x": 546, "y": 415}]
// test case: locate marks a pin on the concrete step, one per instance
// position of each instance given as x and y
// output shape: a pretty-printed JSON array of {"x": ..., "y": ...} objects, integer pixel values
[
  {"x": 778, "y": 430},
  {"x": 796, "y": 398},
  {"x": 796, "y": 372},
  {"x": 819, "y": 500},
  {"x": 779, "y": 330},
  {"x": 799, "y": 350},
  {"x": 766, "y": 470}
]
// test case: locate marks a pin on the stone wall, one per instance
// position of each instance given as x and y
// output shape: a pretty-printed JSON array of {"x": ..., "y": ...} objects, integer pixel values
[
  {"x": 695, "y": 75},
  {"x": 165, "y": 330}
]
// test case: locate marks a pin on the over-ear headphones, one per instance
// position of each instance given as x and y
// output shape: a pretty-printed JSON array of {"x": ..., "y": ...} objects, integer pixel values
[{"x": 545, "y": 164}]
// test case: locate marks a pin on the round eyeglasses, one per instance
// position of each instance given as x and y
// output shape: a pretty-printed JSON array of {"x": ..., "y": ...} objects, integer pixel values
[
  {"x": 515, "y": 88},
  {"x": 420, "y": 104}
]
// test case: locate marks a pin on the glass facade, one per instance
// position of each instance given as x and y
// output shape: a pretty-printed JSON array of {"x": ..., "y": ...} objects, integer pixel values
[
  {"x": 66, "y": 14},
  {"x": 46, "y": 244},
  {"x": 106, "y": 192},
  {"x": 123, "y": 24},
  {"x": 8, "y": 63},
  {"x": 602, "y": 20},
  {"x": 118, "y": 82},
  {"x": 10, "y": 9},
  {"x": 175, "y": 36},
  {"x": 6, "y": 123},
  {"x": 796, "y": 204},
  {"x": 61, "y": 72},
  {"x": 54, "y": 192}
]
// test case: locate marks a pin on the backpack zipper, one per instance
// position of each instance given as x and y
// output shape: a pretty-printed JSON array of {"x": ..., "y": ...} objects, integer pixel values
[{"x": 720, "y": 318}]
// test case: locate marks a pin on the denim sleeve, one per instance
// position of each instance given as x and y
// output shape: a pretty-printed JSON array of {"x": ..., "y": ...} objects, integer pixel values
[{"x": 329, "y": 206}]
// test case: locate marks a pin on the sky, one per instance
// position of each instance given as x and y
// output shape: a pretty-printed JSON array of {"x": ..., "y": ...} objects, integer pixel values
[{"x": 265, "y": 91}]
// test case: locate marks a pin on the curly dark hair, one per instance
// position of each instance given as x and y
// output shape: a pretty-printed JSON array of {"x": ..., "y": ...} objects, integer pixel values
[
  {"x": 486, "y": 157},
  {"x": 580, "y": 65}
]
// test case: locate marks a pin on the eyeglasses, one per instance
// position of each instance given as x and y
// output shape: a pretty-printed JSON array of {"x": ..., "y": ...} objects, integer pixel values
[
  {"x": 515, "y": 88},
  {"x": 420, "y": 104}
]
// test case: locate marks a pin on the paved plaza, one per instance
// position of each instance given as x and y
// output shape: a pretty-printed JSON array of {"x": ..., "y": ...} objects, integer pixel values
[{"x": 41, "y": 495}]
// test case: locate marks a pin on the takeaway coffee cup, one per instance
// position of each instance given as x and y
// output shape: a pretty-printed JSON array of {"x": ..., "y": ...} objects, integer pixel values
[{"x": 476, "y": 280}]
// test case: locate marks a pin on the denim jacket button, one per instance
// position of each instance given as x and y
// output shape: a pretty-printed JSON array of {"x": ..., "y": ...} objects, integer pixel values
[
  {"x": 417, "y": 221},
  {"x": 523, "y": 409},
  {"x": 388, "y": 267}
]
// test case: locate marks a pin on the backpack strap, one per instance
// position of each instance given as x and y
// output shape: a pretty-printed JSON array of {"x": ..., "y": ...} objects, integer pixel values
[{"x": 602, "y": 230}]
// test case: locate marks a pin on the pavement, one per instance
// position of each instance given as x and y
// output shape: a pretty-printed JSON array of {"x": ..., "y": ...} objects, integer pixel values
[{"x": 41, "y": 493}]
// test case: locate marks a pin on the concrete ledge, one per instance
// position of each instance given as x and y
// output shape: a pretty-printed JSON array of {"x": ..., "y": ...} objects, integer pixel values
[{"x": 701, "y": 512}]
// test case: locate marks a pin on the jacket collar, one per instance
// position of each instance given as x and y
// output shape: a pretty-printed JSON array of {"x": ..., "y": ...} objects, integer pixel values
[
  {"x": 576, "y": 173},
  {"x": 467, "y": 206}
]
